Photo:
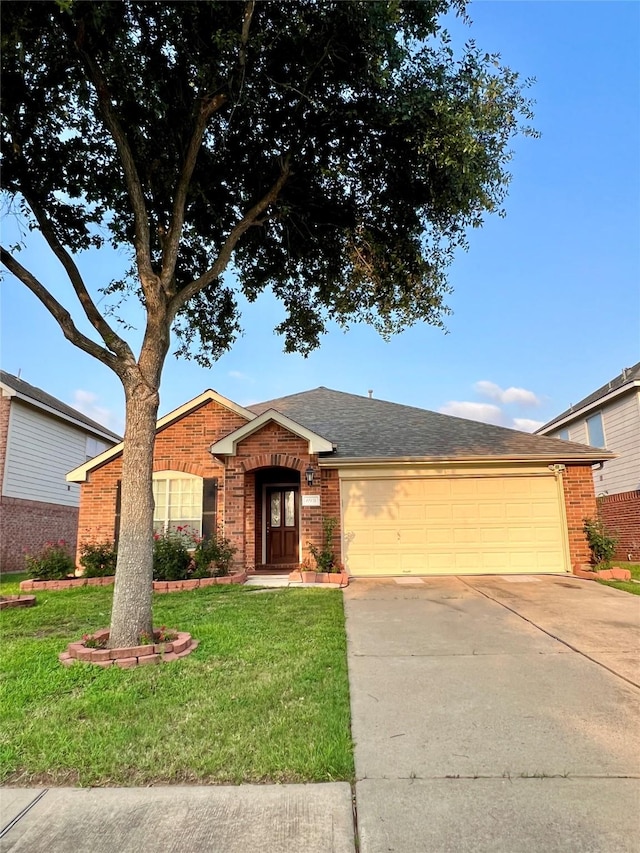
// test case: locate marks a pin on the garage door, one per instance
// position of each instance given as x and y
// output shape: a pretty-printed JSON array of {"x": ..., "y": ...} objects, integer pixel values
[{"x": 448, "y": 525}]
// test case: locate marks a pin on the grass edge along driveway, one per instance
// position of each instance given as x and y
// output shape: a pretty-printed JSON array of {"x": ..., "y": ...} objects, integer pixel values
[
  {"x": 633, "y": 585},
  {"x": 264, "y": 698}
]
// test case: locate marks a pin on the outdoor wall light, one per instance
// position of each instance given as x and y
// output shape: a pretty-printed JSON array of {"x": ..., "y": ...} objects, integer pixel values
[{"x": 309, "y": 474}]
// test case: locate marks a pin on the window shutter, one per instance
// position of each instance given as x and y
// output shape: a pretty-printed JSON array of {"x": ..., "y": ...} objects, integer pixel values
[
  {"x": 209, "y": 506},
  {"x": 116, "y": 531}
]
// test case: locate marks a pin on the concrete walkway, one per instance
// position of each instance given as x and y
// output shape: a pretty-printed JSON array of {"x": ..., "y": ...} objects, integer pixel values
[
  {"x": 495, "y": 714},
  {"x": 246, "y": 819}
]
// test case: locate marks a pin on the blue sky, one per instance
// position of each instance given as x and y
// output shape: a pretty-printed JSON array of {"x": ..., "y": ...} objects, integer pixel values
[{"x": 547, "y": 301}]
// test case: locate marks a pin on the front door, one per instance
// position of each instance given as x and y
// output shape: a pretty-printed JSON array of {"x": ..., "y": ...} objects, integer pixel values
[{"x": 283, "y": 529}]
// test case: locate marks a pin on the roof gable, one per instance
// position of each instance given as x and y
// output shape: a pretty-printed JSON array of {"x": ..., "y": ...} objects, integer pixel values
[
  {"x": 16, "y": 387},
  {"x": 621, "y": 384},
  {"x": 227, "y": 446},
  {"x": 79, "y": 474}
]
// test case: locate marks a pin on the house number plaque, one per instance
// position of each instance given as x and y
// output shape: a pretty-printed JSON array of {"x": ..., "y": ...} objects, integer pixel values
[{"x": 310, "y": 500}]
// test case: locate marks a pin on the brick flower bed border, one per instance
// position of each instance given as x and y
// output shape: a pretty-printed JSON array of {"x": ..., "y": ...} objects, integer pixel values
[
  {"x": 158, "y": 586},
  {"x": 615, "y": 573},
  {"x": 131, "y": 656},
  {"x": 17, "y": 601},
  {"x": 341, "y": 578}
]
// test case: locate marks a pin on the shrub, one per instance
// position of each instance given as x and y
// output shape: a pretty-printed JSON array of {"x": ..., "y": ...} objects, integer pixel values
[
  {"x": 171, "y": 559},
  {"x": 601, "y": 542},
  {"x": 324, "y": 556},
  {"x": 98, "y": 559},
  {"x": 53, "y": 563},
  {"x": 213, "y": 556}
]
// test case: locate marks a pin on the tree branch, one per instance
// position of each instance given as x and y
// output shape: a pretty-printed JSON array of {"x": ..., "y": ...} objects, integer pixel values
[
  {"x": 208, "y": 108},
  {"x": 113, "y": 341},
  {"x": 60, "y": 314},
  {"x": 142, "y": 241},
  {"x": 250, "y": 218},
  {"x": 172, "y": 242}
]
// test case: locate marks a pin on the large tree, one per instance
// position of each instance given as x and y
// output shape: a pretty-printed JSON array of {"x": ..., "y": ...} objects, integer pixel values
[{"x": 334, "y": 152}]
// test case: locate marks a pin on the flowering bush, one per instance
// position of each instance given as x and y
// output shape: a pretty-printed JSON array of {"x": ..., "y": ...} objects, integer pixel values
[
  {"x": 98, "y": 559},
  {"x": 212, "y": 556},
  {"x": 171, "y": 558},
  {"x": 53, "y": 563}
]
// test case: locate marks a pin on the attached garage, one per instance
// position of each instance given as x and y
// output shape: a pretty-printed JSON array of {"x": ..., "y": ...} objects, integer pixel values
[{"x": 479, "y": 521}]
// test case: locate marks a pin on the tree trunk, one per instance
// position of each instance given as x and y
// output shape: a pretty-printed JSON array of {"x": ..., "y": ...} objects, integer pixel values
[{"x": 131, "y": 613}]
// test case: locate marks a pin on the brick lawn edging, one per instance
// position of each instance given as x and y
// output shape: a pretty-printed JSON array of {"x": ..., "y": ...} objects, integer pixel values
[
  {"x": 158, "y": 586},
  {"x": 587, "y": 572},
  {"x": 131, "y": 656},
  {"x": 341, "y": 578},
  {"x": 17, "y": 601}
]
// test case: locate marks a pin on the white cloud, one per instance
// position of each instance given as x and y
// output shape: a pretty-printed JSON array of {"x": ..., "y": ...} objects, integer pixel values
[
  {"x": 88, "y": 403},
  {"x": 242, "y": 377},
  {"x": 486, "y": 413},
  {"x": 520, "y": 396},
  {"x": 526, "y": 424}
]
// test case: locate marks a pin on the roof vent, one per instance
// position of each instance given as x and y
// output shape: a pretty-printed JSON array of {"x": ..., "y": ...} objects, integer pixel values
[{"x": 370, "y": 393}]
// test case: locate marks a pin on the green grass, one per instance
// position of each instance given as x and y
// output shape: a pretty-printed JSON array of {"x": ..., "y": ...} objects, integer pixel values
[
  {"x": 627, "y": 586},
  {"x": 263, "y": 699}
]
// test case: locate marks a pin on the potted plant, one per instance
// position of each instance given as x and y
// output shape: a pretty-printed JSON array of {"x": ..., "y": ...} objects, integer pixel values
[{"x": 307, "y": 571}]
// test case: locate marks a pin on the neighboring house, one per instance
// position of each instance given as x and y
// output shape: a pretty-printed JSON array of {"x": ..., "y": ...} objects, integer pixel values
[
  {"x": 413, "y": 492},
  {"x": 40, "y": 439},
  {"x": 610, "y": 418}
]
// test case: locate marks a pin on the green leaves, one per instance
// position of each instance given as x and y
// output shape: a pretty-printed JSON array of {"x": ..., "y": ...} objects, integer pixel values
[{"x": 397, "y": 144}]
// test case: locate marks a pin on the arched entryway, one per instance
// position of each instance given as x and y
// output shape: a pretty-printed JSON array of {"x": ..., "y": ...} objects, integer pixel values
[{"x": 277, "y": 522}]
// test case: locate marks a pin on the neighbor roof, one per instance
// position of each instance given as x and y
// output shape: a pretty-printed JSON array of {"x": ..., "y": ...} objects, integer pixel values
[
  {"x": 23, "y": 390},
  {"x": 624, "y": 381},
  {"x": 366, "y": 428}
]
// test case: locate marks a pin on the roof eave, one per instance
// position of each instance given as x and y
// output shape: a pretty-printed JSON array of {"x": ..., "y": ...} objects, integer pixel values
[
  {"x": 85, "y": 427},
  {"x": 80, "y": 474},
  {"x": 579, "y": 411},
  {"x": 546, "y": 459}
]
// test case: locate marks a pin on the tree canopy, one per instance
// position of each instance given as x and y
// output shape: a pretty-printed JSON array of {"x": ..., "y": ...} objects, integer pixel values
[{"x": 335, "y": 152}]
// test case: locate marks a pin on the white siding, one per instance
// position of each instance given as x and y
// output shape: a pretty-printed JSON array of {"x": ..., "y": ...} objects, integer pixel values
[
  {"x": 621, "y": 419},
  {"x": 40, "y": 451},
  {"x": 621, "y": 423}
]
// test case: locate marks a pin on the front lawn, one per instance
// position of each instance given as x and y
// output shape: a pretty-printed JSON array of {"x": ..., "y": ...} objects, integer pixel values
[
  {"x": 627, "y": 586},
  {"x": 263, "y": 699}
]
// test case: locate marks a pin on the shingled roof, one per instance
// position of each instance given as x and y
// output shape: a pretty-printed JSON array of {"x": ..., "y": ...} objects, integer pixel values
[
  {"x": 629, "y": 377},
  {"x": 38, "y": 396},
  {"x": 366, "y": 428}
]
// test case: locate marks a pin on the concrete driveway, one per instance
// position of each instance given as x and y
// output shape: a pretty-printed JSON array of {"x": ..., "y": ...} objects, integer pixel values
[{"x": 495, "y": 714}]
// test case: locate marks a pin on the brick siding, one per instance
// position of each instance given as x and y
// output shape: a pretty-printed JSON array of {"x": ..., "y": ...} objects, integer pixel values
[
  {"x": 580, "y": 503},
  {"x": 272, "y": 446},
  {"x": 621, "y": 515},
  {"x": 184, "y": 446},
  {"x": 180, "y": 446},
  {"x": 29, "y": 525}
]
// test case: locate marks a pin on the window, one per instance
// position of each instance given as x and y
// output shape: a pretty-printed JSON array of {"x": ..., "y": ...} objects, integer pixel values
[
  {"x": 563, "y": 434},
  {"x": 595, "y": 431},
  {"x": 178, "y": 502}
]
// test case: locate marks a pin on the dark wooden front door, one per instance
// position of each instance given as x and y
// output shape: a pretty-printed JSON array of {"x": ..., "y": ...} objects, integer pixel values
[{"x": 283, "y": 529}]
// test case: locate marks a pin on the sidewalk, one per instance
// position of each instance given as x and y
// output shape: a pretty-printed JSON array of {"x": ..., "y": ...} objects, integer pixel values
[{"x": 270, "y": 818}]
